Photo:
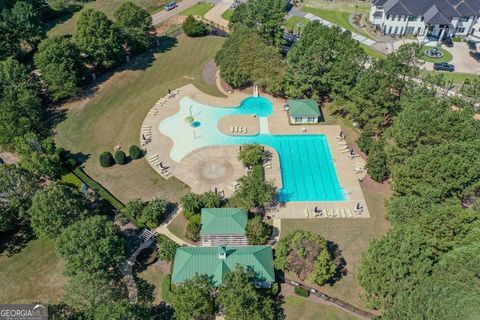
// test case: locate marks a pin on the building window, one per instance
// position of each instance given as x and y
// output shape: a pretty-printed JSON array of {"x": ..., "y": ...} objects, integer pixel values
[
  {"x": 390, "y": 30},
  {"x": 464, "y": 19},
  {"x": 412, "y": 18},
  {"x": 419, "y": 30},
  {"x": 312, "y": 119},
  {"x": 401, "y": 30},
  {"x": 399, "y": 18},
  {"x": 421, "y": 19},
  {"x": 460, "y": 29},
  {"x": 404, "y": 18},
  {"x": 388, "y": 17},
  {"x": 396, "y": 30},
  {"x": 298, "y": 119}
]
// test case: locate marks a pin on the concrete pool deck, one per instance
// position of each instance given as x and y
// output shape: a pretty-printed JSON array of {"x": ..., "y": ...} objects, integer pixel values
[{"x": 217, "y": 167}]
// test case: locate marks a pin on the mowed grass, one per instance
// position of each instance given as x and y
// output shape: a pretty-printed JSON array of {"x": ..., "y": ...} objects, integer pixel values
[
  {"x": 227, "y": 14},
  {"x": 372, "y": 52},
  {"x": 350, "y": 6},
  {"x": 296, "y": 23},
  {"x": 447, "y": 56},
  {"x": 113, "y": 112},
  {"x": 455, "y": 77},
  {"x": 300, "y": 308},
  {"x": 178, "y": 227},
  {"x": 106, "y": 6},
  {"x": 200, "y": 9},
  {"x": 33, "y": 275},
  {"x": 352, "y": 236},
  {"x": 153, "y": 275},
  {"x": 337, "y": 17}
]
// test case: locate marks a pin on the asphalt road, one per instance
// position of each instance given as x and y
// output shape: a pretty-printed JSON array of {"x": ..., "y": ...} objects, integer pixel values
[{"x": 163, "y": 15}]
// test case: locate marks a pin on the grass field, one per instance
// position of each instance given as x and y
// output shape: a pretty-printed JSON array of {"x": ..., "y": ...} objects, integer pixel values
[
  {"x": 447, "y": 56},
  {"x": 340, "y": 18},
  {"x": 372, "y": 52},
  {"x": 178, "y": 227},
  {"x": 293, "y": 23},
  {"x": 227, "y": 15},
  {"x": 33, "y": 275},
  {"x": 108, "y": 7},
  {"x": 301, "y": 308},
  {"x": 350, "y": 6},
  {"x": 114, "y": 110},
  {"x": 200, "y": 9},
  {"x": 456, "y": 77},
  {"x": 153, "y": 275}
]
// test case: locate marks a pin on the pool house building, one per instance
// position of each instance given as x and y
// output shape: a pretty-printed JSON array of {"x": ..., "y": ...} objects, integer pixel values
[
  {"x": 223, "y": 226},
  {"x": 303, "y": 111}
]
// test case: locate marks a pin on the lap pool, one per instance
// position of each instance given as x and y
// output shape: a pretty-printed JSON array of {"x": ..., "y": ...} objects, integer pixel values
[{"x": 306, "y": 165}]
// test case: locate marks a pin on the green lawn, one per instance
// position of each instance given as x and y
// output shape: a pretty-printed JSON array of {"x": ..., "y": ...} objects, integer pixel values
[
  {"x": 178, "y": 227},
  {"x": 338, "y": 17},
  {"x": 350, "y": 6},
  {"x": 447, "y": 56},
  {"x": 304, "y": 309},
  {"x": 372, "y": 52},
  {"x": 113, "y": 111},
  {"x": 455, "y": 77},
  {"x": 108, "y": 7},
  {"x": 296, "y": 23},
  {"x": 153, "y": 275},
  {"x": 33, "y": 275},
  {"x": 227, "y": 15},
  {"x": 200, "y": 9}
]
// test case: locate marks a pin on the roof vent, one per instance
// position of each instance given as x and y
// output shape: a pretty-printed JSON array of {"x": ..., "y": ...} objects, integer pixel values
[{"x": 222, "y": 255}]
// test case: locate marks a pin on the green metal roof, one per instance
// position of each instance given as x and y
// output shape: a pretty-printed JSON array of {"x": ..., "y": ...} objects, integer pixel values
[
  {"x": 206, "y": 260},
  {"x": 223, "y": 221},
  {"x": 303, "y": 108}
]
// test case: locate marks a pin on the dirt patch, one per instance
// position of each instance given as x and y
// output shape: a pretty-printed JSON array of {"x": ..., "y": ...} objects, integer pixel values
[{"x": 209, "y": 72}]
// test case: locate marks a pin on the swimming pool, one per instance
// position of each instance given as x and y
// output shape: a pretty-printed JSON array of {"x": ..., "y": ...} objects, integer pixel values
[{"x": 306, "y": 165}]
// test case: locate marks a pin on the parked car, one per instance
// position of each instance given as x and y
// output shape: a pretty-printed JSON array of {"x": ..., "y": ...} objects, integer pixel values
[
  {"x": 443, "y": 66},
  {"x": 472, "y": 45},
  {"x": 475, "y": 55},
  {"x": 447, "y": 42},
  {"x": 170, "y": 6}
]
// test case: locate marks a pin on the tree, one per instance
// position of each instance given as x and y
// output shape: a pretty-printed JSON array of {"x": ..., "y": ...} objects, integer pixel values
[
  {"x": 325, "y": 60},
  {"x": 193, "y": 27},
  {"x": 99, "y": 39},
  {"x": 193, "y": 231},
  {"x": 86, "y": 291},
  {"x": 120, "y": 310},
  {"x": 193, "y": 299},
  {"x": 55, "y": 208},
  {"x": 251, "y": 154},
  {"x": 136, "y": 24},
  {"x": 167, "y": 249},
  {"x": 377, "y": 163},
  {"x": 258, "y": 232},
  {"x": 20, "y": 106},
  {"x": 264, "y": 17},
  {"x": 397, "y": 262},
  {"x": 440, "y": 172},
  {"x": 240, "y": 300},
  {"x": 17, "y": 187},
  {"x": 135, "y": 152},
  {"x": 306, "y": 254},
  {"x": 90, "y": 245},
  {"x": 448, "y": 294},
  {"x": 254, "y": 192},
  {"x": 154, "y": 213},
  {"x": 60, "y": 66},
  {"x": 245, "y": 59},
  {"x": 120, "y": 157},
  {"x": 134, "y": 208},
  {"x": 191, "y": 202},
  {"x": 38, "y": 155},
  {"x": 211, "y": 199},
  {"x": 20, "y": 29},
  {"x": 471, "y": 88}
]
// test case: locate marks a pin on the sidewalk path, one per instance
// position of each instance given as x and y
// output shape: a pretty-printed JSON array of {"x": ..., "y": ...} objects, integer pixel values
[
  {"x": 163, "y": 228},
  {"x": 311, "y": 17},
  {"x": 215, "y": 14}
]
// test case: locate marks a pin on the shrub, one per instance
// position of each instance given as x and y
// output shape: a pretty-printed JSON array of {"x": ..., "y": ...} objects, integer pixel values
[
  {"x": 135, "y": 152},
  {"x": 258, "y": 232},
  {"x": 120, "y": 157},
  {"x": 192, "y": 203},
  {"x": 106, "y": 159},
  {"x": 195, "y": 219},
  {"x": 377, "y": 165},
  {"x": 167, "y": 249},
  {"x": 301, "y": 292},
  {"x": 188, "y": 214},
  {"x": 251, "y": 154},
  {"x": 193, "y": 232},
  {"x": 275, "y": 288},
  {"x": 194, "y": 28},
  {"x": 365, "y": 141},
  {"x": 166, "y": 282}
]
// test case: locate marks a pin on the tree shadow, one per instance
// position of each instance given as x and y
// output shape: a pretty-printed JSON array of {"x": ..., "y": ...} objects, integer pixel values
[
  {"x": 338, "y": 260},
  {"x": 14, "y": 241},
  {"x": 145, "y": 290},
  {"x": 162, "y": 311}
]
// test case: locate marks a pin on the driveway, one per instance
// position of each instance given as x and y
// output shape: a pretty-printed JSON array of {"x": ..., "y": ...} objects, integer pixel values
[
  {"x": 215, "y": 15},
  {"x": 163, "y": 15}
]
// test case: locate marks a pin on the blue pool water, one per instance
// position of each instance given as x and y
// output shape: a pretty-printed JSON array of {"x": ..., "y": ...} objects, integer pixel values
[{"x": 306, "y": 165}]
